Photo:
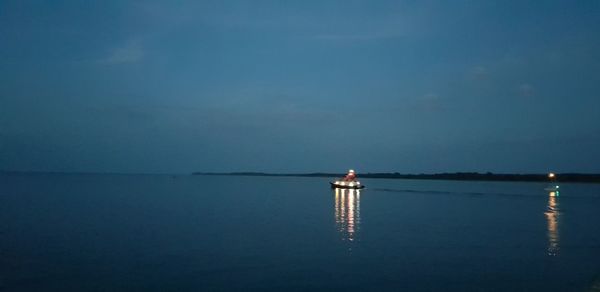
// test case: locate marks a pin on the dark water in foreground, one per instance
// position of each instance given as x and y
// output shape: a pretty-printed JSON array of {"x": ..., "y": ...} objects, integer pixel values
[{"x": 165, "y": 233}]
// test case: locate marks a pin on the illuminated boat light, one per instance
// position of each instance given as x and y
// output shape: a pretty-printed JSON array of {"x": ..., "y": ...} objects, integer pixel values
[{"x": 346, "y": 185}]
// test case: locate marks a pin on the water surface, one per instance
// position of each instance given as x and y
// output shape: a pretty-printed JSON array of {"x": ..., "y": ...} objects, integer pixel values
[{"x": 173, "y": 233}]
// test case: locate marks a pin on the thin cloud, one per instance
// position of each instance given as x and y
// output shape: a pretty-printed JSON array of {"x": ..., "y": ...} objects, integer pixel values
[
  {"x": 131, "y": 52},
  {"x": 526, "y": 90},
  {"x": 430, "y": 102},
  {"x": 478, "y": 72},
  {"x": 357, "y": 37}
]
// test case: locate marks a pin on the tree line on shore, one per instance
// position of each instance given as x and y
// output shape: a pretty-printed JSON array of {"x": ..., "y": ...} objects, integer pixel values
[{"x": 475, "y": 176}]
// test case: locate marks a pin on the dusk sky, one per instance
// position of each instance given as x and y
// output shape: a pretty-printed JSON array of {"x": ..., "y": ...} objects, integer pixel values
[{"x": 300, "y": 86}]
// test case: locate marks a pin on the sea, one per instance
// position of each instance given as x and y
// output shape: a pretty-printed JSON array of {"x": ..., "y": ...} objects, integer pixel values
[{"x": 105, "y": 232}]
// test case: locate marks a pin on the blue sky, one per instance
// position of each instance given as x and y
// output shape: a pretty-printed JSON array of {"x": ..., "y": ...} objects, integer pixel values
[{"x": 300, "y": 86}]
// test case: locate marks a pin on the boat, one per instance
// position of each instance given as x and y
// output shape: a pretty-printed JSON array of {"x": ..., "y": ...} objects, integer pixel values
[
  {"x": 552, "y": 187},
  {"x": 346, "y": 185},
  {"x": 348, "y": 182}
]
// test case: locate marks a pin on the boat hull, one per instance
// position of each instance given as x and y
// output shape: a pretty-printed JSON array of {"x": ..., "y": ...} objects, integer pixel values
[{"x": 338, "y": 186}]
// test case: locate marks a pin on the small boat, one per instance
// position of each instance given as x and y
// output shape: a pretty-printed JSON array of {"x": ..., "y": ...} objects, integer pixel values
[
  {"x": 552, "y": 187},
  {"x": 346, "y": 184}
]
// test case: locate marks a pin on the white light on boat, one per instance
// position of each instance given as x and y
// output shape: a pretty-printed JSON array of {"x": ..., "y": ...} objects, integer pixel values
[{"x": 357, "y": 183}]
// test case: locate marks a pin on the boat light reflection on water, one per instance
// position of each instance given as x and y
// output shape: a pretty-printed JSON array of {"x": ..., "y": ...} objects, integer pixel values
[
  {"x": 347, "y": 212},
  {"x": 552, "y": 215}
]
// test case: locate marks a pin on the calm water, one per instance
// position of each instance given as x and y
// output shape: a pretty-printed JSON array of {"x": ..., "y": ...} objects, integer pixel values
[{"x": 174, "y": 233}]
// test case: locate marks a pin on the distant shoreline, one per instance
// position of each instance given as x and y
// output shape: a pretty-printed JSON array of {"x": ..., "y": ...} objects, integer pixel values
[
  {"x": 458, "y": 176},
  {"x": 464, "y": 176}
]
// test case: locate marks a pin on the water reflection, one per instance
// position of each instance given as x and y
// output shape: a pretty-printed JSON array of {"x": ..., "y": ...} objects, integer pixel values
[
  {"x": 347, "y": 212},
  {"x": 552, "y": 213}
]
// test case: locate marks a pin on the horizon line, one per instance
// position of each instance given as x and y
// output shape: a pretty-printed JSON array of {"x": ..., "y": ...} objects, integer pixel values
[{"x": 291, "y": 173}]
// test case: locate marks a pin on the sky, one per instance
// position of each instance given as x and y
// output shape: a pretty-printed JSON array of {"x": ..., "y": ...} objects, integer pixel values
[{"x": 300, "y": 86}]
